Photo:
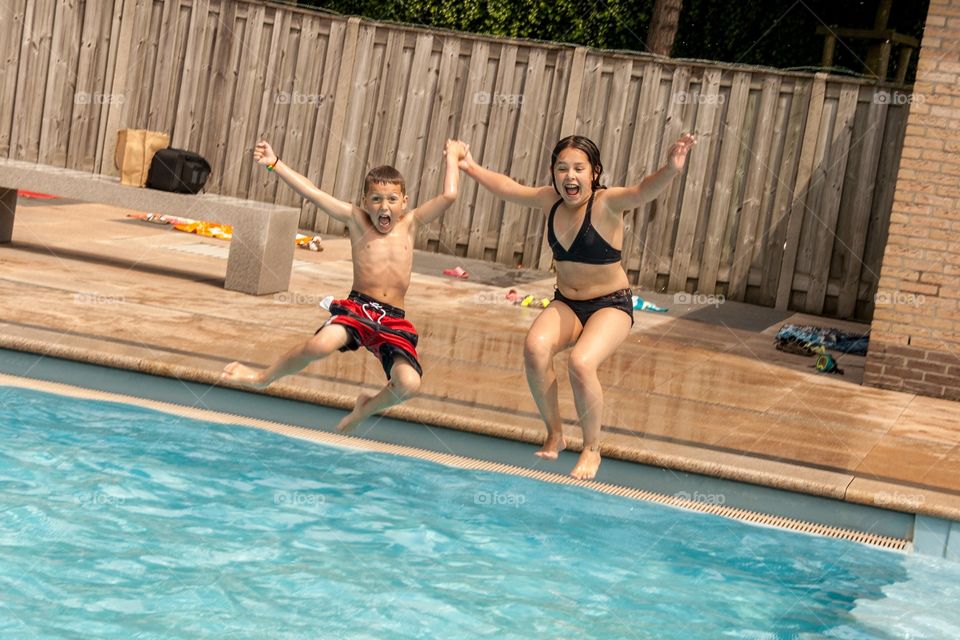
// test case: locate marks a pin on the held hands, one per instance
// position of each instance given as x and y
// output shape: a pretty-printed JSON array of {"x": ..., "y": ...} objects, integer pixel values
[
  {"x": 455, "y": 151},
  {"x": 677, "y": 155},
  {"x": 264, "y": 154}
]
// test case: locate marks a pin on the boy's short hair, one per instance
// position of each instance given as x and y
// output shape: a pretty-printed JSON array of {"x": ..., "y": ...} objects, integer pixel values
[{"x": 384, "y": 175}]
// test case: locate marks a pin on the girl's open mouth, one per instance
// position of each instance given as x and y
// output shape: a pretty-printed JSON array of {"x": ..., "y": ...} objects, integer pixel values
[{"x": 572, "y": 190}]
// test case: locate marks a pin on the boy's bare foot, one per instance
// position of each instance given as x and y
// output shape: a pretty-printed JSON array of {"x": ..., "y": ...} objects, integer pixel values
[
  {"x": 355, "y": 417},
  {"x": 588, "y": 464},
  {"x": 241, "y": 374},
  {"x": 552, "y": 447}
]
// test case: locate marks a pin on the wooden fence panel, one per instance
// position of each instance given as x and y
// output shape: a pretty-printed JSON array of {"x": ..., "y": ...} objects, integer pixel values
[
  {"x": 785, "y": 200},
  {"x": 11, "y": 36}
]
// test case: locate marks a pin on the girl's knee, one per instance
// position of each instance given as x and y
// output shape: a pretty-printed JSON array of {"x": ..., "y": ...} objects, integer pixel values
[
  {"x": 581, "y": 366},
  {"x": 537, "y": 352}
]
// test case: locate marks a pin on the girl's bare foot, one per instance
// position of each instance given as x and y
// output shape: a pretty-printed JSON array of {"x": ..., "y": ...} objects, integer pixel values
[
  {"x": 241, "y": 374},
  {"x": 355, "y": 417},
  {"x": 552, "y": 447},
  {"x": 588, "y": 464}
]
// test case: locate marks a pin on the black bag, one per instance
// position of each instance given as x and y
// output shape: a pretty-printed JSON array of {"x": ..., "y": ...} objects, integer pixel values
[{"x": 178, "y": 171}]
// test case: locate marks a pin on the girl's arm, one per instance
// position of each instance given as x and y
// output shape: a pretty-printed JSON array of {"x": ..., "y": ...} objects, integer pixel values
[
  {"x": 336, "y": 209},
  {"x": 506, "y": 187},
  {"x": 620, "y": 199}
]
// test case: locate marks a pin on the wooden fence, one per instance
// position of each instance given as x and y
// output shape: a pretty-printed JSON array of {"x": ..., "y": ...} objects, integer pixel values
[{"x": 785, "y": 202}]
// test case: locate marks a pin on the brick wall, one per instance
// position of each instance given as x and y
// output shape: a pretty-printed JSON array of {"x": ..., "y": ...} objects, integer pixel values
[{"x": 915, "y": 336}]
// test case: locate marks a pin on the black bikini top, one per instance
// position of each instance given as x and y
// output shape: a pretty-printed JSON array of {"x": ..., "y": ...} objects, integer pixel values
[{"x": 588, "y": 247}]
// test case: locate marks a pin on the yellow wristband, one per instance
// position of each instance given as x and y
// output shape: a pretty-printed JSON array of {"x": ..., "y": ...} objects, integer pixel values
[{"x": 273, "y": 167}]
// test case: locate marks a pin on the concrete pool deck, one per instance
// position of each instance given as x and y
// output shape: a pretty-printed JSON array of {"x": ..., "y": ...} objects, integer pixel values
[{"x": 700, "y": 389}]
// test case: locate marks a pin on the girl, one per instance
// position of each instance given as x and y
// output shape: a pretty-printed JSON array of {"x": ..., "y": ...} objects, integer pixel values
[{"x": 592, "y": 309}]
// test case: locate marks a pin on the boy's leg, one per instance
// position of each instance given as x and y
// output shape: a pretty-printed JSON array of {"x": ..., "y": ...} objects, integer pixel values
[
  {"x": 404, "y": 384},
  {"x": 605, "y": 331},
  {"x": 554, "y": 330},
  {"x": 329, "y": 339}
]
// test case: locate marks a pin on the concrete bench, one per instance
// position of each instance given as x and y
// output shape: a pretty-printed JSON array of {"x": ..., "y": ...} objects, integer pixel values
[{"x": 261, "y": 252}]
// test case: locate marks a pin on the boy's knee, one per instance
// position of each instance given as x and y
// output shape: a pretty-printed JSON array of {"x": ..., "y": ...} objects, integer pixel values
[{"x": 405, "y": 382}]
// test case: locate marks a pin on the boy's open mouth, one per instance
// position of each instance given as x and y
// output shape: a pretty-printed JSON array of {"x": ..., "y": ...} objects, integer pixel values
[
  {"x": 573, "y": 190},
  {"x": 384, "y": 220}
]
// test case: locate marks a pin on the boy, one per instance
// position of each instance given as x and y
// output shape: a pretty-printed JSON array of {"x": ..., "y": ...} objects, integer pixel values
[{"x": 382, "y": 235}]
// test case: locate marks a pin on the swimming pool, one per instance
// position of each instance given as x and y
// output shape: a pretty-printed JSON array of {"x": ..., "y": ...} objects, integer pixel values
[{"x": 120, "y": 521}]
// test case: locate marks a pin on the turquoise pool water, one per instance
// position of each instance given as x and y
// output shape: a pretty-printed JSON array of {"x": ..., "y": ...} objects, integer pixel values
[{"x": 121, "y": 522}]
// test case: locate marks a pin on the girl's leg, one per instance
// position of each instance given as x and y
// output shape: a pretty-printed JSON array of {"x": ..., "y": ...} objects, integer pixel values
[
  {"x": 319, "y": 346},
  {"x": 555, "y": 329},
  {"x": 605, "y": 331},
  {"x": 404, "y": 384}
]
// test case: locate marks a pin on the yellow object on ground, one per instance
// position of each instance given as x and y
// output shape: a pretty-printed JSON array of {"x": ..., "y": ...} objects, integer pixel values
[{"x": 216, "y": 230}]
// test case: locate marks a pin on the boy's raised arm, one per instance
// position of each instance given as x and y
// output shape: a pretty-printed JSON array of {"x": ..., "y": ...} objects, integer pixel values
[
  {"x": 620, "y": 199},
  {"x": 339, "y": 210},
  {"x": 506, "y": 187},
  {"x": 433, "y": 208}
]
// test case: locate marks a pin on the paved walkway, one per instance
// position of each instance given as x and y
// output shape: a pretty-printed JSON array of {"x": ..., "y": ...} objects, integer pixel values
[{"x": 699, "y": 389}]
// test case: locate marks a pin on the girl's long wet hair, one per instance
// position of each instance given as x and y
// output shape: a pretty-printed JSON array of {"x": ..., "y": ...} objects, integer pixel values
[{"x": 589, "y": 148}]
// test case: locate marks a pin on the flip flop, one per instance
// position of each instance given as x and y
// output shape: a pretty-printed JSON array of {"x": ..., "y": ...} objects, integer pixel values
[{"x": 456, "y": 272}]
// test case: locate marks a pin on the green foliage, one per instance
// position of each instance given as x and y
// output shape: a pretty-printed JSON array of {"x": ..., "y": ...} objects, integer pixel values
[
  {"x": 777, "y": 33},
  {"x": 615, "y": 24}
]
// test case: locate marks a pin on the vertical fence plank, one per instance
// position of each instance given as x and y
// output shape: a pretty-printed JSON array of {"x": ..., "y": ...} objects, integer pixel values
[
  {"x": 91, "y": 78},
  {"x": 864, "y": 182},
  {"x": 60, "y": 95},
  {"x": 34, "y": 62},
  {"x": 321, "y": 127},
  {"x": 611, "y": 141},
  {"x": 798, "y": 204},
  {"x": 456, "y": 222},
  {"x": 723, "y": 191},
  {"x": 389, "y": 101},
  {"x": 416, "y": 117},
  {"x": 11, "y": 34},
  {"x": 532, "y": 113},
  {"x": 277, "y": 65},
  {"x": 786, "y": 177},
  {"x": 827, "y": 213},
  {"x": 497, "y": 148},
  {"x": 238, "y": 159},
  {"x": 360, "y": 94},
  {"x": 215, "y": 130},
  {"x": 338, "y": 117},
  {"x": 164, "y": 88},
  {"x": 641, "y": 161},
  {"x": 568, "y": 126},
  {"x": 441, "y": 126},
  {"x": 886, "y": 184},
  {"x": 749, "y": 217},
  {"x": 694, "y": 186},
  {"x": 186, "y": 123},
  {"x": 656, "y": 248}
]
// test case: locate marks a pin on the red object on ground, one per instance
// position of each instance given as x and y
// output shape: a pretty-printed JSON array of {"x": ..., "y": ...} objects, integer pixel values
[
  {"x": 457, "y": 272},
  {"x": 36, "y": 196}
]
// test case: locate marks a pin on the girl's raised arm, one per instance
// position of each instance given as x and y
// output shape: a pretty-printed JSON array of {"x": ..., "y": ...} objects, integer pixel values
[{"x": 506, "y": 187}]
